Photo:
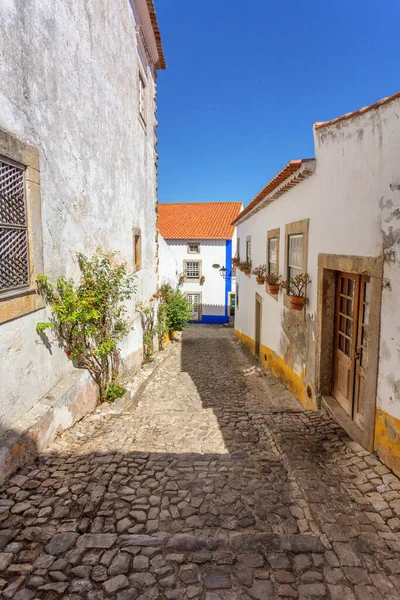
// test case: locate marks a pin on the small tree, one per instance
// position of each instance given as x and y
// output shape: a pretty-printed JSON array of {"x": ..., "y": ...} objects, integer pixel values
[
  {"x": 89, "y": 319},
  {"x": 177, "y": 311}
]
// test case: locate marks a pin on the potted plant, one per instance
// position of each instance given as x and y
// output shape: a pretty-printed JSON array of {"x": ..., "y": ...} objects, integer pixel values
[
  {"x": 296, "y": 288},
  {"x": 245, "y": 266},
  {"x": 259, "y": 272},
  {"x": 181, "y": 276},
  {"x": 273, "y": 282},
  {"x": 202, "y": 279},
  {"x": 235, "y": 261}
]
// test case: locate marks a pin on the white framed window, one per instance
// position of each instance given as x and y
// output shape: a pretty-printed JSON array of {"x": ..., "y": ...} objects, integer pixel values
[
  {"x": 192, "y": 268},
  {"x": 194, "y": 248},
  {"x": 295, "y": 254},
  {"x": 142, "y": 97},
  {"x": 248, "y": 249},
  {"x": 272, "y": 255}
]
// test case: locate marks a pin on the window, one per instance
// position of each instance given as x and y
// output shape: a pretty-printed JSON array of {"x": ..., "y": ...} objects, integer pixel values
[
  {"x": 192, "y": 269},
  {"x": 248, "y": 248},
  {"x": 238, "y": 248},
  {"x": 273, "y": 255},
  {"x": 21, "y": 246},
  {"x": 194, "y": 248},
  {"x": 237, "y": 296},
  {"x": 137, "y": 248},
  {"x": 295, "y": 255},
  {"x": 296, "y": 246},
  {"x": 142, "y": 97},
  {"x": 14, "y": 255}
]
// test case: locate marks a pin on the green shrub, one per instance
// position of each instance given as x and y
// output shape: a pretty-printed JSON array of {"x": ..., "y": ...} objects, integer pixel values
[
  {"x": 88, "y": 318},
  {"x": 177, "y": 308},
  {"x": 113, "y": 391}
]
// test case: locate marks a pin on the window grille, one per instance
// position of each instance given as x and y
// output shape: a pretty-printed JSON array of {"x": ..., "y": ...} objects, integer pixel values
[
  {"x": 295, "y": 255},
  {"x": 272, "y": 255},
  {"x": 192, "y": 270},
  {"x": 14, "y": 259}
]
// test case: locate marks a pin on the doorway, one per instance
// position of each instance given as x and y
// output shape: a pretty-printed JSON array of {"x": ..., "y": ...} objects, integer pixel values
[
  {"x": 195, "y": 303},
  {"x": 351, "y": 342},
  {"x": 258, "y": 325}
]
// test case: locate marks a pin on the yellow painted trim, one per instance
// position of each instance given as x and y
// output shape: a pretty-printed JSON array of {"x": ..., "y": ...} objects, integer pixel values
[
  {"x": 276, "y": 364},
  {"x": 387, "y": 439}
]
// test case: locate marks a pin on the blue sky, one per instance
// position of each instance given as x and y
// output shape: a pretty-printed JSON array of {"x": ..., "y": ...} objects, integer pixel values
[{"x": 245, "y": 82}]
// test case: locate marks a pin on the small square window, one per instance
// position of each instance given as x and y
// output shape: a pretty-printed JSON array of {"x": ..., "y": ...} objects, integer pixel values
[
  {"x": 137, "y": 248},
  {"x": 193, "y": 248}
]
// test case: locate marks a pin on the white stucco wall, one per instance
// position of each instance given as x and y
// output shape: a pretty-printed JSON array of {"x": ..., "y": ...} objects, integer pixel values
[
  {"x": 352, "y": 211},
  {"x": 69, "y": 87},
  {"x": 167, "y": 265},
  {"x": 213, "y": 289}
]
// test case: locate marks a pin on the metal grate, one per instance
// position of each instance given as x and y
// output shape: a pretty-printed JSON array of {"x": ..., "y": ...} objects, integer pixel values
[{"x": 14, "y": 259}]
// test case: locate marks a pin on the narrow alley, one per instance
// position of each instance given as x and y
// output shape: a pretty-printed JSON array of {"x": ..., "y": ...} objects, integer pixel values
[{"x": 213, "y": 484}]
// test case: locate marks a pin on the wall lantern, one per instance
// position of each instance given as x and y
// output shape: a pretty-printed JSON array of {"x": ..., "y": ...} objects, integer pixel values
[{"x": 225, "y": 274}]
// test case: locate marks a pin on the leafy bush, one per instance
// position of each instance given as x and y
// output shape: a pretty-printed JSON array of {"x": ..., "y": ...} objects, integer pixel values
[
  {"x": 177, "y": 310},
  {"x": 113, "y": 391},
  {"x": 88, "y": 318}
]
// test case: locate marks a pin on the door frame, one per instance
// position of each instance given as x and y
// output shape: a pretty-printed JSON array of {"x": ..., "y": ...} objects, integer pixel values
[
  {"x": 258, "y": 300},
  {"x": 328, "y": 265},
  {"x": 200, "y": 304}
]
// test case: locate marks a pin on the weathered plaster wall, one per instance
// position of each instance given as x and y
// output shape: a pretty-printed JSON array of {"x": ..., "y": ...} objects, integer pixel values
[
  {"x": 69, "y": 86},
  {"x": 167, "y": 265},
  {"x": 352, "y": 211},
  {"x": 213, "y": 289}
]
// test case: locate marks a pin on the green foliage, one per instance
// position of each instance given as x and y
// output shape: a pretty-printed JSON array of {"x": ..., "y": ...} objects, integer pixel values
[
  {"x": 177, "y": 308},
  {"x": 297, "y": 286},
  {"x": 113, "y": 391},
  {"x": 89, "y": 318},
  {"x": 245, "y": 265}
]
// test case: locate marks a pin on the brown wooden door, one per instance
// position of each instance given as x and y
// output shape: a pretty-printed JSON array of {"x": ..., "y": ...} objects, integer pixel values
[
  {"x": 350, "y": 352},
  {"x": 361, "y": 354},
  {"x": 347, "y": 293},
  {"x": 258, "y": 327}
]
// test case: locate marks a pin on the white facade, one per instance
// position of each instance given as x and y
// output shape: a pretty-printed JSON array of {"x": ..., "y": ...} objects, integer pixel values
[
  {"x": 167, "y": 264},
  {"x": 70, "y": 90},
  {"x": 351, "y": 203},
  {"x": 214, "y": 290}
]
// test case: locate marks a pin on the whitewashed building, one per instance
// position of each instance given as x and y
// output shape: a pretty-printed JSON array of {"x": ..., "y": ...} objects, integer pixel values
[
  {"x": 78, "y": 170},
  {"x": 201, "y": 237},
  {"x": 337, "y": 218}
]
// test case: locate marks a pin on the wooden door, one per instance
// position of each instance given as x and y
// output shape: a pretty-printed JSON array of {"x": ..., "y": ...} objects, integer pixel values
[
  {"x": 258, "y": 326},
  {"x": 346, "y": 312},
  {"x": 361, "y": 354}
]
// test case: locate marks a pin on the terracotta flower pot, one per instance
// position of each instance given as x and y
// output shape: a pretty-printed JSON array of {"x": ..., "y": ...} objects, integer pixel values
[
  {"x": 246, "y": 271},
  {"x": 273, "y": 288},
  {"x": 260, "y": 280},
  {"x": 297, "y": 303}
]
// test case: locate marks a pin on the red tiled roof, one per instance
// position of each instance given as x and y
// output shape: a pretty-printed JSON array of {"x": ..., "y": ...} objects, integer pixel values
[
  {"x": 287, "y": 173},
  {"x": 156, "y": 30},
  {"x": 198, "y": 220},
  {"x": 358, "y": 112}
]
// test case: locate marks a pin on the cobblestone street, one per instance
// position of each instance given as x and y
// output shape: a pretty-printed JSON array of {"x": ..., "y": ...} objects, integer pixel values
[{"x": 212, "y": 484}]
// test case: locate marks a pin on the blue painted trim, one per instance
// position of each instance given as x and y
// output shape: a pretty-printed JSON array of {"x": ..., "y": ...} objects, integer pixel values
[
  {"x": 228, "y": 282},
  {"x": 214, "y": 319}
]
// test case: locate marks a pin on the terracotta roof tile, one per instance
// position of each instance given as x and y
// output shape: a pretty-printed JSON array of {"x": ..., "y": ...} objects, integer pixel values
[
  {"x": 358, "y": 112},
  {"x": 287, "y": 173},
  {"x": 198, "y": 220}
]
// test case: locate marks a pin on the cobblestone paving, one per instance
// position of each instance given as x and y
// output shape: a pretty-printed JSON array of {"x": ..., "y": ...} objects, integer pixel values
[{"x": 213, "y": 484}]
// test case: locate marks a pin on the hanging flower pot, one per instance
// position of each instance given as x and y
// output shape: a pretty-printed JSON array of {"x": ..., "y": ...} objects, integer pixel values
[
  {"x": 247, "y": 271},
  {"x": 273, "y": 288},
  {"x": 297, "y": 302},
  {"x": 260, "y": 280}
]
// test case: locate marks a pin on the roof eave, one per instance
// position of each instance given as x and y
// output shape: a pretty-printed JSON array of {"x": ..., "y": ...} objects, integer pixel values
[{"x": 306, "y": 168}]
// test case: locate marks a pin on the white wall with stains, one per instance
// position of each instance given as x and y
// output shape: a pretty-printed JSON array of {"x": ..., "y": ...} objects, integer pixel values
[
  {"x": 352, "y": 202},
  {"x": 69, "y": 86}
]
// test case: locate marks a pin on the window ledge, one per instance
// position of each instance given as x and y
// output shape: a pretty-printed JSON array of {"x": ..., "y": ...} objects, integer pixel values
[{"x": 19, "y": 303}]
